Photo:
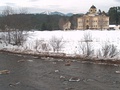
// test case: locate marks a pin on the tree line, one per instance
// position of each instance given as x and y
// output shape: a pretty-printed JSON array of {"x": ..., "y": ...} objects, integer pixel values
[
  {"x": 114, "y": 14},
  {"x": 30, "y": 21}
]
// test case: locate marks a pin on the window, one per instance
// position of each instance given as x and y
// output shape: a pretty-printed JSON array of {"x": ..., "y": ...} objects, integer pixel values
[{"x": 87, "y": 21}]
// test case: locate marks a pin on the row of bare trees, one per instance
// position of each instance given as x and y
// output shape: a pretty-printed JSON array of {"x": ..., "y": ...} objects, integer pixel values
[
  {"x": 10, "y": 11},
  {"x": 85, "y": 47},
  {"x": 55, "y": 44},
  {"x": 107, "y": 50},
  {"x": 13, "y": 37},
  {"x": 13, "y": 26}
]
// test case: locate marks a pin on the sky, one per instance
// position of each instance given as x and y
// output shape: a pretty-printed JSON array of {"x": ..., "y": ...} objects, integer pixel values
[{"x": 65, "y": 6}]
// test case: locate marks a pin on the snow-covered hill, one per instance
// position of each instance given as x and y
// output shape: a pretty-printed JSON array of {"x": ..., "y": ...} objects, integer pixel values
[{"x": 56, "y": 13}]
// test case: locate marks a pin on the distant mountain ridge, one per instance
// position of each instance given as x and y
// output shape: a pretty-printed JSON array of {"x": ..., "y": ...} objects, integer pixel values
[{"x": 56, "y": 13}]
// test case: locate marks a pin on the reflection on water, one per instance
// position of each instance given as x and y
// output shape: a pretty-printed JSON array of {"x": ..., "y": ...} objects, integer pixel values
[{"x": 28, "y": 73}]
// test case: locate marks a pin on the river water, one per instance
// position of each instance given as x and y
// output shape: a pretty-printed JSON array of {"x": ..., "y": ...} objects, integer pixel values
[{"x": 31, "y": 73}]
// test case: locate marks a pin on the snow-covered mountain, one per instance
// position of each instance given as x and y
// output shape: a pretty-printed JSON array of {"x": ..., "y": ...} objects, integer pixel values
[
  {"x": 69, "y": 14},
  {"x": 56, "y": 13}
]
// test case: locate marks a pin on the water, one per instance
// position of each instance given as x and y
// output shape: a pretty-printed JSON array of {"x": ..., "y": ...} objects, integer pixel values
[{"x": 29, "y": 73}]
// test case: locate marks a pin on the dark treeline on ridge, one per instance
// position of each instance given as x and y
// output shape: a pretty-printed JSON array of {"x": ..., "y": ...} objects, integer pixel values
[
  {"x": 114, "y": 15},
  {"x": 30, "y": 21}
]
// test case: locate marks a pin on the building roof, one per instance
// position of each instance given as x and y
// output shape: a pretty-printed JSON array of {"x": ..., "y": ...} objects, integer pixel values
[{"x": 93, "y": 6}]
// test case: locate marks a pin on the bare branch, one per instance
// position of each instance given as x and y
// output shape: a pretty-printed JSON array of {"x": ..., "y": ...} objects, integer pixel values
[
  {"x": 109, "y": 50},
  {"x": 7, "y": 11},
  {"x": 41, "y": 45},
  {"x": 56, "y": 43},
  {"x": 23, "y": 10},
  {"x": 85, "y": 46}
]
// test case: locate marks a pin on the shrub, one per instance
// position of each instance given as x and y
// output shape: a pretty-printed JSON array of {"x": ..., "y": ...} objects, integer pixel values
[{"x": 56, "y": 43}]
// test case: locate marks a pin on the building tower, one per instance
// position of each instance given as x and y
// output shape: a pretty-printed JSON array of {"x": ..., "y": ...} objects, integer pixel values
[{"x": 93, "y": 10}]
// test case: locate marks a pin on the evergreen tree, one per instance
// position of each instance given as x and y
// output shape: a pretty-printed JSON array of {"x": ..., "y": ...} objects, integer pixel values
[{"x": 114, "y": 14}]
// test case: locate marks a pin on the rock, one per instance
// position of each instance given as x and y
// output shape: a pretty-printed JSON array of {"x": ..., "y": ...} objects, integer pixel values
[
  {"x": 56, "y": 70},
  {"x": 69, "y": 88},
  {"x": 117, "y": 72},
  {"x": 65, "y": 82},
  {"x": 30, "y": 60},
  {"x": 17, "y": 83},
  {"x": 21, "y": 61},
  {"x": 116, "y": 65},
  {"x": 62, "y": 77},
  {"x": 74, "y": 79},
  {"x": 60, "y": 60},
  {"x": 14, "y": 84},
  {"x": 11, "y": 85},
  {"x": 4, "y": 72},
  {"x": 90, "y": 80},
  {"x": 35, "y": 57},
  {"x": 54, "y": 62},
  {"x": 68, "y": 63}
]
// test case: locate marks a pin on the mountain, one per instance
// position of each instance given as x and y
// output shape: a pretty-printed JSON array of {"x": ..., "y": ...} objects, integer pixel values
[
  {"x": 46, "y": 12},
  {"x": 56, "y": 13},
  {"x": 69, "y": 14}
]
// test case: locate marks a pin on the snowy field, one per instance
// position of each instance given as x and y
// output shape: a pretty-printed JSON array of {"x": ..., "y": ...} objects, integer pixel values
[{"x": 94, "y": 43}]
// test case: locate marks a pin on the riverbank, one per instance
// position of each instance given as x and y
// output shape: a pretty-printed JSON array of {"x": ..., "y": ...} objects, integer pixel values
[
  {"x": 65, "y": 57},
  {"x": 91, "y": 45}
]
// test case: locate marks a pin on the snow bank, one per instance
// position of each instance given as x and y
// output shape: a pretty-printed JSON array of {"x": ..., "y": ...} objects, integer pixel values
[{"x": 71, "y": 39}]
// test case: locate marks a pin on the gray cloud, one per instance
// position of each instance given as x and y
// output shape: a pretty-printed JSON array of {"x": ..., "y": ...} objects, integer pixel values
[
  {"x": 10, "y": 4},
  {"x": 35, "y": 10},
  {"x": 54, "y": 6},
  {"x": 117, "y": 0},
  {"x": 1, "y": 8}
]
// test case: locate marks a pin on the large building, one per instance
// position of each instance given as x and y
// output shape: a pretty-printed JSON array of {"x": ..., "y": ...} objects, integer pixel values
[{"x": 93, "y": 20}]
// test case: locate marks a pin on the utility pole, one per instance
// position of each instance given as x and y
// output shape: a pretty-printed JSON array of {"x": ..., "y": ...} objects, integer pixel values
[{"x": 117, "y": 19}]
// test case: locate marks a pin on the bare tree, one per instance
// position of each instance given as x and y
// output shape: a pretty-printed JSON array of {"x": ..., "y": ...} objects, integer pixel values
[
  {"x": 7, "y": 11},
  {"x": 18, "y": 37},
  {"x": 23, "y": 10},
  {"x": 7, "y": 20},
  {"x": 41, "y": 45},
  {"x": 64, "y": 23},
  {"x": 85, "y": 45},
  {"x": 14, "y": 24},
  {"x": 3, "y": 38},
  {"x": 109, "y": 50},
  {"x": 56, "y": 43},
  {"x": 113, "y": 51},
  {"x": 87, "y": 37}
]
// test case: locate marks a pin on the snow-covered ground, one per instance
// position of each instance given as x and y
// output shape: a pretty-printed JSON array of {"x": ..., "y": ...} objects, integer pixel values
[{"x": 73, "y": 41}]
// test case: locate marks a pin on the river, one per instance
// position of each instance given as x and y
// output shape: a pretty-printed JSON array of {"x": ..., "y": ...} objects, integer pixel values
[{"x": 31, "y": 73}]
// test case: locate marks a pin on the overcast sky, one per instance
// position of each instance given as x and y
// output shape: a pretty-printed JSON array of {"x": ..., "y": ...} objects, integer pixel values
[{"x": 65, "y": 6}]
